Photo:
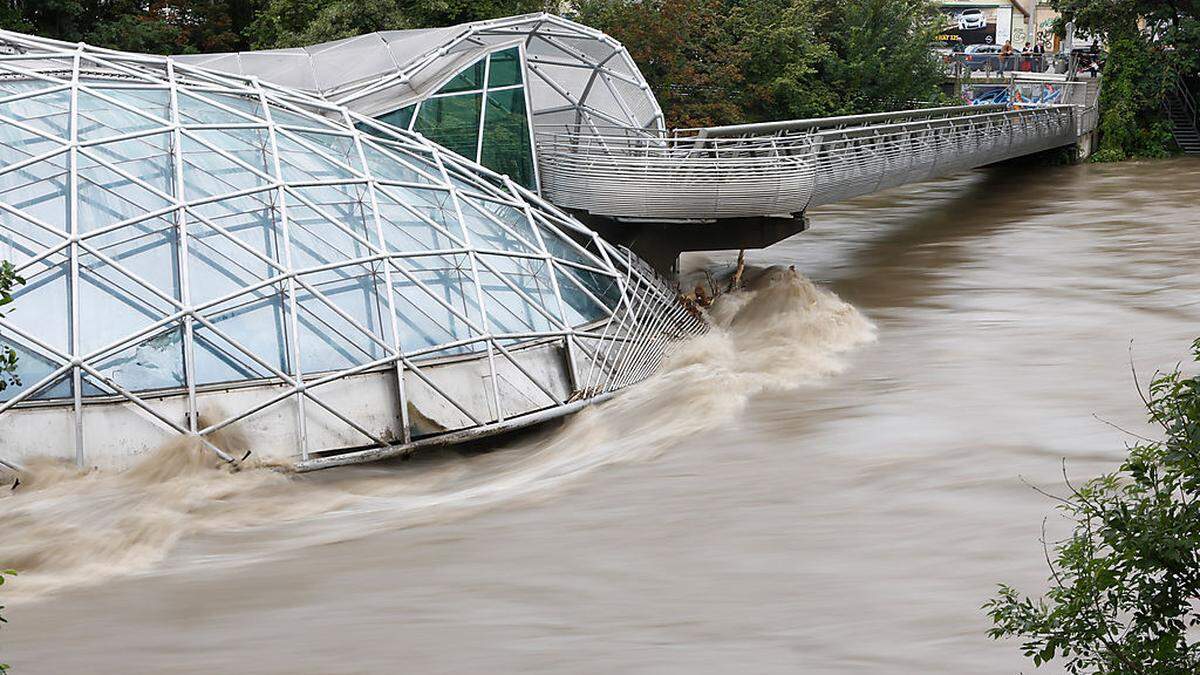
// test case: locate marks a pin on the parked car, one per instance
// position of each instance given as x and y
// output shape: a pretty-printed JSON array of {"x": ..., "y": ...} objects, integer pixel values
[
  {"x": 981, "y": 57},
  {"x": 971, "y": 19}
]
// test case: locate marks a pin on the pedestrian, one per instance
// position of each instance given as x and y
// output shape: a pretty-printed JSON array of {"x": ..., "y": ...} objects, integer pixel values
[
  {"x": 1006, "y": 53},
  {"x": 1039, "y": 56}
]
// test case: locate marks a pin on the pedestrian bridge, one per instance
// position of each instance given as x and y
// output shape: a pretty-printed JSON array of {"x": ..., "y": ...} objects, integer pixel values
[{"x": 782, "y": 168}]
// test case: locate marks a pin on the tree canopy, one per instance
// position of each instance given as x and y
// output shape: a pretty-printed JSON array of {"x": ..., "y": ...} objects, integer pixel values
[
  {"x": 1150, "y": 43},
  {"x": 724, "y": 61}
]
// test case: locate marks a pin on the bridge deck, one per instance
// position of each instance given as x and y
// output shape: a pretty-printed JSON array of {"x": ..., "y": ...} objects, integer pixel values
[{"x": 784, "y": 167}]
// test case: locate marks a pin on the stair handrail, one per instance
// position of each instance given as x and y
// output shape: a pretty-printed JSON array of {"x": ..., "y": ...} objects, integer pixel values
[{"x": 1189, "y": 102}]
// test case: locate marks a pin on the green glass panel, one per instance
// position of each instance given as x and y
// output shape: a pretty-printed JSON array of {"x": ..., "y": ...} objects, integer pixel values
[
  {"x": 399, "y": 118},
  {"x": 505, "y": 69},
  {"x": 469, "y": 79},
  {"x": 452, "y": 122},
  {"x": 506, "y": 146}
]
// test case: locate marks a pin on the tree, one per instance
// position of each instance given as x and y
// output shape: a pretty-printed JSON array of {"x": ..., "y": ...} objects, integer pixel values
[
  {"x": 1150, "y": 43},
  {"x": 1125, "y": 586},
  {"x": 882, "y": 58},
  {"x": 684, "y": 51},
  {"x": 8, "y": 357},
  {"x": 294, "y": 23},
  {"x": 725, "y": 61}
]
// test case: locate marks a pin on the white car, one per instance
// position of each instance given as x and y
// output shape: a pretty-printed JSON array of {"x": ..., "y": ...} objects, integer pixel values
[{"x": 970, "y": 19}]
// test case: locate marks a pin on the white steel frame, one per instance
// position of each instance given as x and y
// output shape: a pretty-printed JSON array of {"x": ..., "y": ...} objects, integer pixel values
[{"x": 624, "y": 344}]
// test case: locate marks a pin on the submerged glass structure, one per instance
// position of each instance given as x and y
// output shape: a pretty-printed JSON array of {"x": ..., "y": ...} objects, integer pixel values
[{"x": 203, "y": 249}]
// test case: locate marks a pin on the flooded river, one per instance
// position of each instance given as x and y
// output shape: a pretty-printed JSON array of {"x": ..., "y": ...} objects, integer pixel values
[{"x": 831, "y": 483}]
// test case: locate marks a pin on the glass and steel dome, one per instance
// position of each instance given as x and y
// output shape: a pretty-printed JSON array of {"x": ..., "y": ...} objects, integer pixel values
[{"x": 203, "y": 250}]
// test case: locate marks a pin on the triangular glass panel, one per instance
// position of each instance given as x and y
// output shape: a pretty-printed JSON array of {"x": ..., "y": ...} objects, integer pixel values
[
  {"x": 218, "y": 265},
  {"x": 99, "y": 118},
  {"x": 467, "y": 79},
  {"x": 340, "y": 148},
  {"x": 300, "y": 163},
  {"x": 61, "y": 388},
  {"x": 389, "y": 166},
  {"x": 112, "y": 305},
  {"x": 401, "y": 118},
  {"x": 251, "y": 146},
  {"x": 510, "y": 311},
  {"x": 561, "y": 246},
  {"x": 486, "y": 234},
  {"x": 218, "y": 361},
  {"x": 106, "y": 197},
  {"x": 255, "y": 321},
  {"x": 146, "y": 249},
  {"x": 603, "y": 287},
  {"x": 147, "y": 158},
  {"x": 17, "y": 145},
  {"x": 580, "y": 307},
  {"x": 153, "y": 102},
  {"x": 512, "y": 218},
  {"x": 31, "y": 368},
  {"x": 282, "y": 116},
  {"x": 195, "y": 110},
  {"x": 21, "y": 240},
  {"x": 50, "y": 112},
  {"x": 328, "y": 341},
  {"x": 322, "y": 235},
  {"x": 153, "y": 363},
  {"x": 207, "y": 173},
  {"x": 40, "y": 190},
  {"x": 404, "y": 231},
  {"x": 41, "y": 306},
  {"x": 440, "y": 313}
]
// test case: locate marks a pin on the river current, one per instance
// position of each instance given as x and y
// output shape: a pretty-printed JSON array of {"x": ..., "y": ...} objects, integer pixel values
[{"x": 833, "y": 481}]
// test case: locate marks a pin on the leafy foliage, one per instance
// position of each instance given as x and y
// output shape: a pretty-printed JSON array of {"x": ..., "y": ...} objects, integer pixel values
[
  {"x": 156, "y": 26},
  {"x": 1125, "y": 586},
  {"x": 684, "y": 50},
  {"x": 8, "y": 357},
  {"x": 188, "y": 26},
  {"x": 293, "y": 23},
  {"x": 1149, "y": 42},
  {"x": 3, "y": 574},
  {"x": 722, "y": 61}
]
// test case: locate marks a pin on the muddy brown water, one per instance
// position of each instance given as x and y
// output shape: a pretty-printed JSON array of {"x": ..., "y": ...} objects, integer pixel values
[{"x": 831, "y": 483}]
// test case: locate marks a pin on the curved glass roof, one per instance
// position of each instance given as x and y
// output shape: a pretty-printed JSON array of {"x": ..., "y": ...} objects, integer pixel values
[
  {"x": 180, "y": 228},
  {"x": 576, "y": 74}
]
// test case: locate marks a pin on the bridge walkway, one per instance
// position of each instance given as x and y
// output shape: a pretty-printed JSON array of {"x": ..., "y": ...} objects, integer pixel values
[{"x": 785, "y": 168}]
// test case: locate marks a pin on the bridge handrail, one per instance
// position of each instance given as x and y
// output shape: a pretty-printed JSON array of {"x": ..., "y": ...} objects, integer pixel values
[
  {"x": 590, "y": 144},
  {"x": 758, "y": 128}
]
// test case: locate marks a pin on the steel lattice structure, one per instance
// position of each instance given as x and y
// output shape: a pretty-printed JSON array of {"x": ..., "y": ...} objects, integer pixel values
[{"x": 204, "y": 249}]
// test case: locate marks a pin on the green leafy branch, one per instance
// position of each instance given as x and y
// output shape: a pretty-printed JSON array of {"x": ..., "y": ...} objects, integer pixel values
[{"x": 1124, "y": 592}]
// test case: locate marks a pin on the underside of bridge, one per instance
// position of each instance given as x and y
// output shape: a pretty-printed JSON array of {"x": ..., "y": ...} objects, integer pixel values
[{"x": 661, "y": 243}]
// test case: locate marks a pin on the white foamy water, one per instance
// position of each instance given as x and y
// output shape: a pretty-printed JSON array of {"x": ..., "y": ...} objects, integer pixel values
[{"x": 64, "y": 527}]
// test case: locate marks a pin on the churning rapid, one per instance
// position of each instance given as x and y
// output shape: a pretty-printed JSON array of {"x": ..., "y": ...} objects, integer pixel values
[
  {"x": 63, "y": 526},
  {"x": 833, "y": 482}
]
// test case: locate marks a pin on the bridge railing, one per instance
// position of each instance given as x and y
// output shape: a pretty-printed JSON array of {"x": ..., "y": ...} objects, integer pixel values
[{"x": 783, "y": 167}]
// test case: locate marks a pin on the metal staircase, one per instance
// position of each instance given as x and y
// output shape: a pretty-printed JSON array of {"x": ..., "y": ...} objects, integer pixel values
[{"x": 1185, "y": 123}]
